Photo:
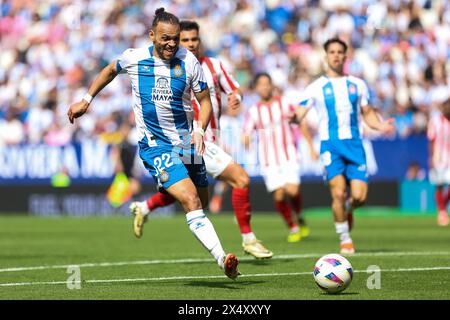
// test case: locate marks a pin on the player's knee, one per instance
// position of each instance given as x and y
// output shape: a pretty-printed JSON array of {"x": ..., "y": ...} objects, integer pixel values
[
  {"x": 339, "y": 195},
  {"x": 358, "y": 200},
  {"x": 243, "y": 181},
  {"x": 278, "y": 195},
  {"x": 190, "y": 201},
  {"x": 292, "y": 192}
]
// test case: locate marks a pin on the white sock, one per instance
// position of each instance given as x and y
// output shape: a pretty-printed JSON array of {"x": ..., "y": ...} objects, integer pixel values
[
  {"x": 144, "y": 208},
  {"x": 342, "y": 230},
  {"x": 295, "y": 229},
  {"x": 204, "y": 231},
  {"x": 248, "y": 237}
]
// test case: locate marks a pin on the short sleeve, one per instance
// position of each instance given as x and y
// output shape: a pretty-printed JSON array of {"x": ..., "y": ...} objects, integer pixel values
[
  {"x": 226, "y": 80},
  {"x": 198, "y": 79},
  {"x": 364, "y": 95},
  {"x": 123, "y": 61},
  {"x": 307, "y": 98}
]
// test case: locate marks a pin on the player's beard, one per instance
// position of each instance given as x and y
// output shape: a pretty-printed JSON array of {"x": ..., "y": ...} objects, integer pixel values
[{"x": 160, "y": 50}]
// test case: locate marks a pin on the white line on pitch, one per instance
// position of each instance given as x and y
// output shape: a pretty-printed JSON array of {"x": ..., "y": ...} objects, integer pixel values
[
  {"x": 18, "y": 284},
  {"x": 201, "y": 260}
]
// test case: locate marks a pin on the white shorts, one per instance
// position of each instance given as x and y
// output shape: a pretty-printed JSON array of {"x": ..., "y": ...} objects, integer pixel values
[
  {"x": 216, "y": 159},
  {"x": 277, "y": 177},
  {"x": 440, "y": 176}
]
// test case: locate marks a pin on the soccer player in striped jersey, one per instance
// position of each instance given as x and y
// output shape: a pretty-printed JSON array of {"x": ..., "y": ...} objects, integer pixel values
[
  {"x": 219, "y": 164},
  {"x": 277, "y": 152},
  {"x": 341, "y": 101},
  {"x": 163, "y": 77},
  {"x": 439, "y": 146}
]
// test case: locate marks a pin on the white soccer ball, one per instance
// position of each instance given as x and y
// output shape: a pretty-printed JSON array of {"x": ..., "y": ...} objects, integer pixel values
[{"x": 333, "y": 273}]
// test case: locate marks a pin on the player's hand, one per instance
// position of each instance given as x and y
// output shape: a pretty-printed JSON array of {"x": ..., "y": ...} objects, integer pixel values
[
  {"x": 233, "y": 101},
  {"x": 197, "y": 138},
  {"x": 387, "y": 127},
  {"x": 292, "y": 118},
  {"x": 76, "y": 110}
]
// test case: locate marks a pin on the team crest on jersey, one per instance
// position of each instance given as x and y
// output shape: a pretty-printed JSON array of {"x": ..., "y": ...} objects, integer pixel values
[
  {"x": 164, "y": 176},
  {"x": 328, "y": 91},
  {"x": 352, "y": 89},
  {"x": 162, "y": 91},
  {"x": 178, "y": 71}
]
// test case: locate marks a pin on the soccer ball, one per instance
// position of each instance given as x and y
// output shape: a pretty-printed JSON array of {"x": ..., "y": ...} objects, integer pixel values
[{"x": 333, "y": 273}]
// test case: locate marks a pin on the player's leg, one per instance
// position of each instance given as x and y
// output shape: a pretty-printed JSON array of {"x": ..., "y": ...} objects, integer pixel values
[
  {"x": 293, "y": 191},
  {"x": 185, "y": 192},
  {"x": 441, "y": 203},
  {"x": 356, "y": 198},
  {"x": 141, "y": 209},
  {"x": 203, "y": 194},
  {"x": 198, "y": 223},
  {"x": 284, "y": 209},
  {"x": 215, "y": 205},
  {"x": 356, "y": 174},
  {"x": 239, "y": 180},
  {"x": 338, "y": 190},
  {"x": 358, "y": 193}
]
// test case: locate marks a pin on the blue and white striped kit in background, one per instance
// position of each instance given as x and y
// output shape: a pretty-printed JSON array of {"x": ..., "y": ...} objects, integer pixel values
[
  {"x": 338, "y": 103},
  {"x": 163, "y": 111}
]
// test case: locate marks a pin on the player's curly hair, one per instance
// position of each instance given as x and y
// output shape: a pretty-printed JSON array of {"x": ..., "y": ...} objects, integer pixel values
[{"x": 161, "y": 15}]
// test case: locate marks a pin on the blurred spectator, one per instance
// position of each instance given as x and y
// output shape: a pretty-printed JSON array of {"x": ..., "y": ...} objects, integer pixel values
[
  {"x": 11, "y": 129},
  {"x": 415, "y": 172},
  {"x": 52, "y": 49}
]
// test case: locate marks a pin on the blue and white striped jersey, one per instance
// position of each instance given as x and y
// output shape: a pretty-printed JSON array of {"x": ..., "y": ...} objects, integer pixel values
[
  {"x": 162, "y": 94},
  {"x": 338, "y": 102}
]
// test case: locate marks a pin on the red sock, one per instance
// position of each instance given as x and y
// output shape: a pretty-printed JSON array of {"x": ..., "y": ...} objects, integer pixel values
[
  {"x": 296, "y": 204},
  {"x": 285, "y": 210},
  {"x": 159, "y": 200},
  {"x": 240, "y": 199},
  {"x": 440, "y": 201},
  {"x": 447, "y": 198}
]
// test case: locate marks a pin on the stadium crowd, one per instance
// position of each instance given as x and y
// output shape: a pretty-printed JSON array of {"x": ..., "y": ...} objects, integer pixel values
[{"x": 52, "y": 49}]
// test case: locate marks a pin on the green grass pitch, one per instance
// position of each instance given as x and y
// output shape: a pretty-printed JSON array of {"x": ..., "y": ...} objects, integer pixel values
[{"x": 168, "y": 262}]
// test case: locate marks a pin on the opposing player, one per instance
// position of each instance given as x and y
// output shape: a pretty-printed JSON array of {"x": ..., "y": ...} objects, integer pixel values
[
  {"x": 218, "y": 163},
  {"x": 163, "y": 77},
  {"x": 341, "y": 100},
  {"x": 439, "y": 146},
  {"x": 277, "y": 152}
]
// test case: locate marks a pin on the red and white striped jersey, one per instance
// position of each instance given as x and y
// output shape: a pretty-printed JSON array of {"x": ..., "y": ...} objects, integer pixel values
[
  {"x": 219, "y": 81},
  {"x": 439, "y": 133},
  {"x": 276, "y": 138}
]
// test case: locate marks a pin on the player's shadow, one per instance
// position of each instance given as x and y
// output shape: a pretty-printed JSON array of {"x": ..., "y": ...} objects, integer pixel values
[
  {"x": 226, "y": 284},
  {"x": 339, "y": 294},
  {"x": 268, "y": 262}
]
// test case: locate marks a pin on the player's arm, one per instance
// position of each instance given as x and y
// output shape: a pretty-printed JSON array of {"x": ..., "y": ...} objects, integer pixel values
[
  {"x": 308, "y": 137},
  {"x": 204, "y": 117},
  {"x": 230, "y": 86},
  {"x": 105, "y": 76},
  {"x": 249, "y": 125},
  {"x": 307, "y": 101},
  {"x": 374, "y": 120},
  {"x": 300, "y": 114}
]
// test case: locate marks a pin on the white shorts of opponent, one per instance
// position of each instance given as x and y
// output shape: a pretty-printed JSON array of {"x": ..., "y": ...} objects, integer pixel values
[
  {"x": 276, "y": 177},
  {"x": 440, "y": 176},
  {"x": 216, "y": 159}
]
